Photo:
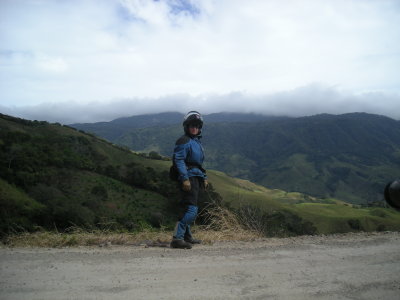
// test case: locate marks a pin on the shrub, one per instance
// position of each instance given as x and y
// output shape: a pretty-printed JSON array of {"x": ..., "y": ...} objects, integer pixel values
[
  {"x": 276, "y": 223},
  {"x": 355, "y": 224}
]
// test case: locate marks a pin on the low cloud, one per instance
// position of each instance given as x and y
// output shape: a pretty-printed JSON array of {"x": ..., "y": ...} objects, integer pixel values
[{"x": 308, "y": 100}]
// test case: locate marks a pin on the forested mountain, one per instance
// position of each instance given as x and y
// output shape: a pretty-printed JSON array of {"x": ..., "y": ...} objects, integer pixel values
[{"x": 350, "y": 156}]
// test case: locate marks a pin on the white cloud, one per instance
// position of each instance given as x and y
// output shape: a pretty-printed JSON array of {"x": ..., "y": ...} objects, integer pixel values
[
  {"x": 95, "y": 51},
  {"x": 55, "y": 65}
]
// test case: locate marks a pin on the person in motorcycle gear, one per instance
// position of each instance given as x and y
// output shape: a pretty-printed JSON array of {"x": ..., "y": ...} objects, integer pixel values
[{"x": 188, "y": 158}]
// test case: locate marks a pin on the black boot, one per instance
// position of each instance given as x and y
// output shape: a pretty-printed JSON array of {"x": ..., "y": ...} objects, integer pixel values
[
  {"x": 192, "y": 240},
  {"x": 181, "y": 244}
]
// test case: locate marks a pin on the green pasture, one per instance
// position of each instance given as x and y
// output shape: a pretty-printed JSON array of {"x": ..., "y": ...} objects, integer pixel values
[{"x": 327, "y": 215}]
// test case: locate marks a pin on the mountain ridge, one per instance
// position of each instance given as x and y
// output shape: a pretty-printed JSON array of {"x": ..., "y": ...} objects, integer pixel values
[{"x": 349, "y": 156}]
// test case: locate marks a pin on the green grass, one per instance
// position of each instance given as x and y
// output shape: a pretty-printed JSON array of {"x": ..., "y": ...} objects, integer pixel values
[
  {"x": 327, "y": 215},
  {"x": 332, "y": 218},
  {"x": 17, "y": 208},
  {"x": 113, "y": 199}
]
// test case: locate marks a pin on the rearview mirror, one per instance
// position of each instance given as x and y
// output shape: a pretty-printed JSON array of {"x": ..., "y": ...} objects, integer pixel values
[{"x": 392, "y": 194}]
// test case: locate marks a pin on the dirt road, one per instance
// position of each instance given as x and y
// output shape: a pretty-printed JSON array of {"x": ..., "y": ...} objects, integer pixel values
[{"x": 353, "y": 266}]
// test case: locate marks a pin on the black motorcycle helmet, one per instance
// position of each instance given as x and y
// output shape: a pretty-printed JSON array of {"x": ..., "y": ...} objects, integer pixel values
[
  {"x": 392, "y": 194},
  {"x": 193, "y": 118}
]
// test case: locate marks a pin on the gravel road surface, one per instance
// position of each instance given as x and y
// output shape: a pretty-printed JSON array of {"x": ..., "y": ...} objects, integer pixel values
[{"x": 351, "y": 266}]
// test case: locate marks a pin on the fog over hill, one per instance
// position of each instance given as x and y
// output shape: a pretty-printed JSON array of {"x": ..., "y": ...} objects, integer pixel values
[{"x": 304, "y": 101}]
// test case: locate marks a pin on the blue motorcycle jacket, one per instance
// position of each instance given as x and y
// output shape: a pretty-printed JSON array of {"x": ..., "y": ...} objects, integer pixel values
[{"x": 188, "y": 157}]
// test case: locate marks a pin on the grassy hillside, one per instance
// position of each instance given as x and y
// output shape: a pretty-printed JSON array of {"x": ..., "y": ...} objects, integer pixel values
[
  {"x": 293, "y": 209},
  {"x": 55, "y": 177},
  {"x": 325, "y": 215},
  {"x": 17, "y": 208}
]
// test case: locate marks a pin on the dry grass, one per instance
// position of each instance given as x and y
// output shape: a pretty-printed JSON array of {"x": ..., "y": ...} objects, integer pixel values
[
  {"x": 223, "y": 225},
  {"x": 85, "y": 238}
]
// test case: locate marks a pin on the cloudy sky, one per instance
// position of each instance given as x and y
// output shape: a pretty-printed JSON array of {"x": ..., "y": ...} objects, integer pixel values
[{"x": 84, "y": 61}]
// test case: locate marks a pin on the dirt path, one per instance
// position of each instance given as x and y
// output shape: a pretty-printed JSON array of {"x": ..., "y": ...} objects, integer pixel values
[{"x": 353, "y": 266}]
